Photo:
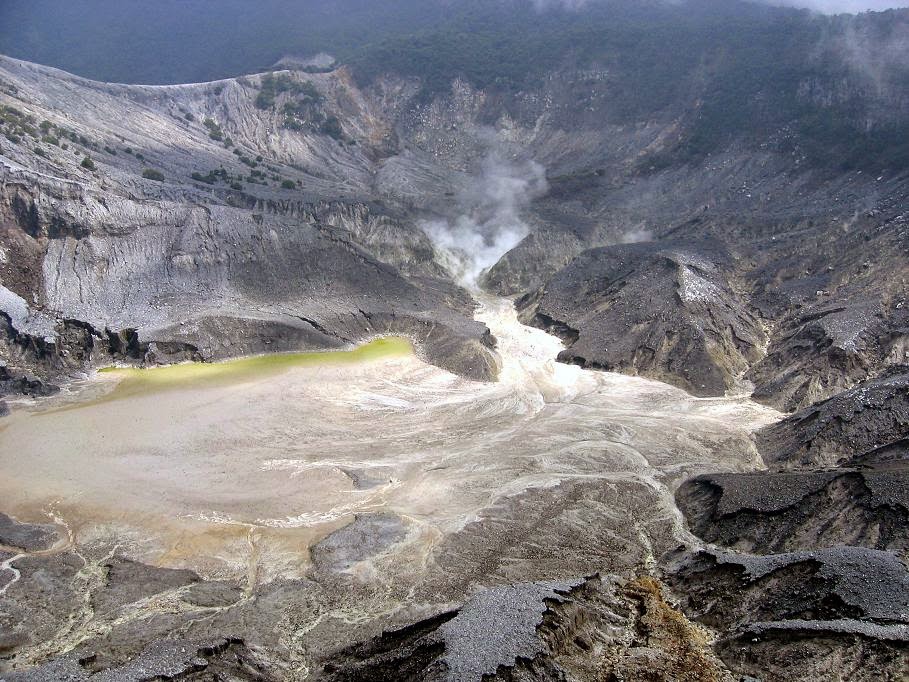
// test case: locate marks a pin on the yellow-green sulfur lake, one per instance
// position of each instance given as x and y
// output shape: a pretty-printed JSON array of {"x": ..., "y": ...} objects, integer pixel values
[{"x": 143, "y": 380}]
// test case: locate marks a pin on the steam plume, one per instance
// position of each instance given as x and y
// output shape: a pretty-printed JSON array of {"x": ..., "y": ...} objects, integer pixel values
[
  {"x": 639, "y": 234},
  {"x": 490, "y": 223}
]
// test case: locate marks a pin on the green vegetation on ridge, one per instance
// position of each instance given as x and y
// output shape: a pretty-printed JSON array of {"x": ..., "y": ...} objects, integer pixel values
[{"x": 731, "y": 71}]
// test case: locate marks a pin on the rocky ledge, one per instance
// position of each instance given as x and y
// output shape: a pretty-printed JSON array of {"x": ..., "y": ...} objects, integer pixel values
[{"x": 661, "y": 309}]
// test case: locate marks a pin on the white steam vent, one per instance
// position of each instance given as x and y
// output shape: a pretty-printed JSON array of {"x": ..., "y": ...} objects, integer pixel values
[{"x": 490, "y": 223}]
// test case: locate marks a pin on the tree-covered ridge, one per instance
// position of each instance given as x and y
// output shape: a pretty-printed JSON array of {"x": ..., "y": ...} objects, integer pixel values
[
  {"x": 826, "y": 89},
  {"x": 783, "y": 77}
]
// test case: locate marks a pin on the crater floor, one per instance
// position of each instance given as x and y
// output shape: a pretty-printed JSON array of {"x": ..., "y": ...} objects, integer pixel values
[
  {"x": 389, "y": 474},
  {"x": 291, "y": 453}
]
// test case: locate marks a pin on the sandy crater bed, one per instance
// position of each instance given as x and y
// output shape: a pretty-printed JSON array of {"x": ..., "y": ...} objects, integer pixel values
[{"x": 254, "y": 465}]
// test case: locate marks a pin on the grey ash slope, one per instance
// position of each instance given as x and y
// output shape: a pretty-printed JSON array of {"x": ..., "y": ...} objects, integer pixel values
[
  {"x": 839, "y": 475},
  {"x": 844, "y": 429},
  {"x": 119, "y": 266},
  {"x": 663, "y": 309}
]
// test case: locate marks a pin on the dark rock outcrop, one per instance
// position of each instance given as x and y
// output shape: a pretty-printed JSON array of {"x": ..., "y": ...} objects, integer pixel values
[
  {"x": 835, "y": 295},
  {"x": 162, "y": 660},
  {"x": 735, "y": 590},
  {"x": 664, "y": 310},
  {"x": 870, "y": 416},
  {"x": 840, "y": 489},
  {"x": 129, "y": 581},
  {"x": 363, "y": 538},
  {"x": 822, "y": 350},
  {"x": 501, "y": 633},
  {"x": 827, "y": 611},
  {"x": 18, "y": 383},
  {"x": 769, "y": 512},
  {"x": 29, "y": 537}
]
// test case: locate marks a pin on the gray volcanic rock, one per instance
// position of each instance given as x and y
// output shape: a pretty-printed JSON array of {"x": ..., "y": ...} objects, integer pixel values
[
  {"x": 17, "y": 383},
  {"x": 660, "y": 309},
  {"x": 836, "y": 296},
  {"x": 363, "y": 538},
  {"x": 839, "y": 583},
  {"x": 598, "y": 628},
  {"x": 162, "y": 660},
  {"x": 42, "y": 594},
  {"x": 894, "y": 455},
  {"x": 842, "y": 626},
  {"x": 129, "y": 581},
  {"x": 843, "y": 606},
  {"x": 248, "y": 286},
  {"x": 821, "y": 352},
  {"x": 212, "y": 594},
  {"x": 4, "y": 409},
  {"x": 851, "y": 582},
  {"x": 559, "y": 235},
  {"x": 29, "y": 537},
  {"x": 844, "y": 649},
  {"x": 770, "y": 512},
  {"x": 496, "y": 628},
  {"x": 304, "y": 287},
  {"x": 496, "y": 631},
  {"x": 870, "y": 416}
]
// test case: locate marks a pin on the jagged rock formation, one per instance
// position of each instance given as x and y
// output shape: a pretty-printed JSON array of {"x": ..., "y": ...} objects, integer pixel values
[
  {"x": 540, "y": 632},
  {"x": 774, "y": 512},
  {"x": 870, "y": 416},
  {"x": 854, "y": 516},
  {"x": 492, "y": 633},
  {"x": 662, "y": 309},
  {"x": 817, "y": 608}
]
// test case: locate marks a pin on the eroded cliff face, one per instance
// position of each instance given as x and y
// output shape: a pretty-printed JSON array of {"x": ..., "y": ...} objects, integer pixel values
[
  {"x": 299, "y": 257},
  {"x": 663, "y": 309}
]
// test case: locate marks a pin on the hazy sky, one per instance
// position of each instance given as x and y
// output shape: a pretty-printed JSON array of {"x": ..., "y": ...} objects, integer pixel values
[
  {"x": 832, "y": 6},
  {"x": 826, "y": 6}
]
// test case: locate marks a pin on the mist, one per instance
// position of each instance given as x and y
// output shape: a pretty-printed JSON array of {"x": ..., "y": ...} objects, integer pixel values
[
  {"x": 822, "y": 6},
  {"x": 636, "y": 235},
  {"x": 541, "y": 5},
  {"x": 489, "y": 224},
  {"x": 840, "y": 6}
]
